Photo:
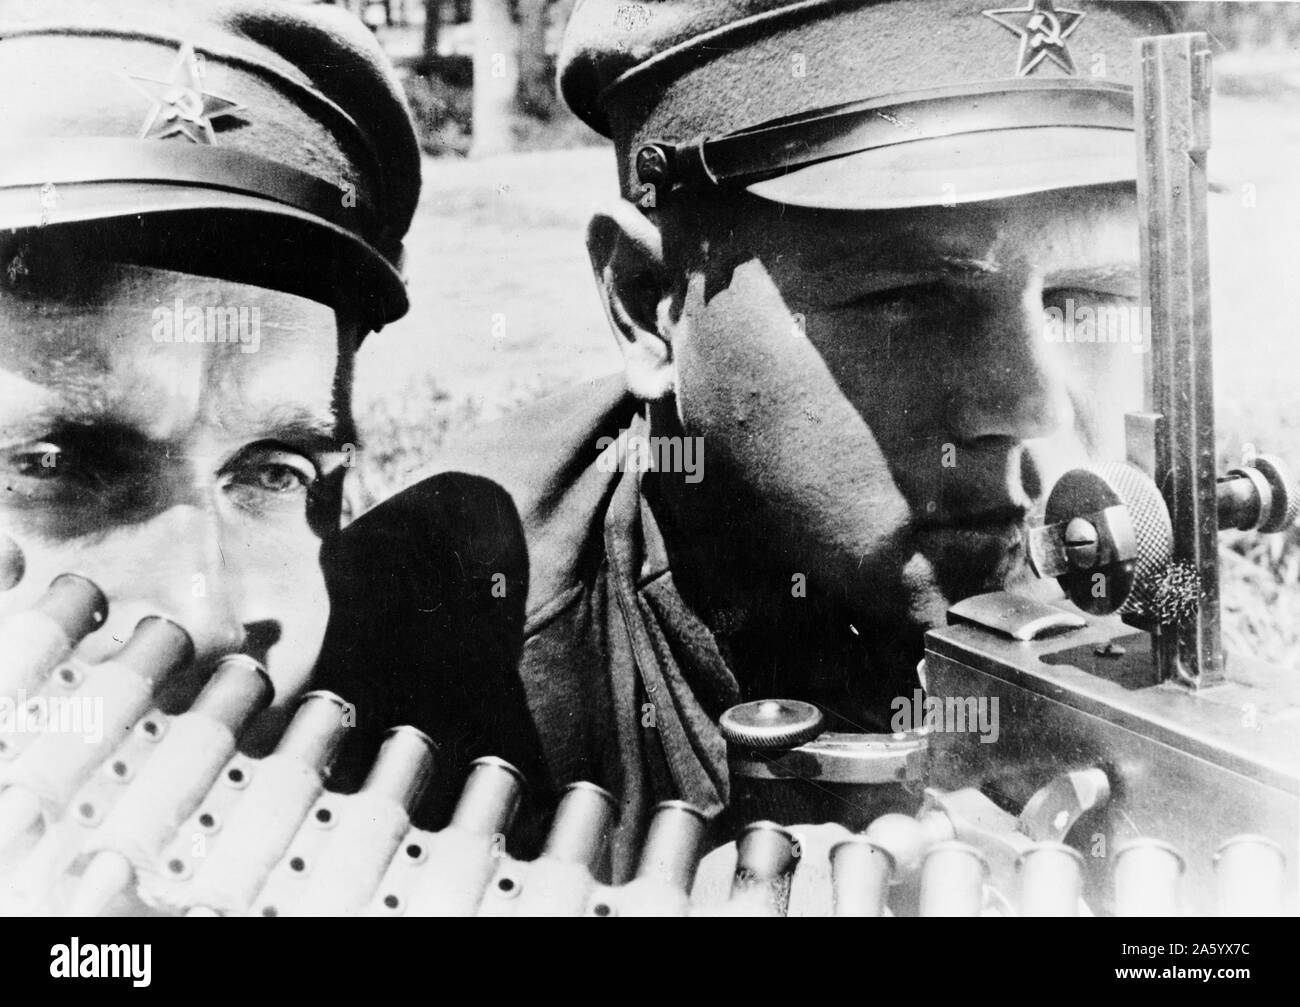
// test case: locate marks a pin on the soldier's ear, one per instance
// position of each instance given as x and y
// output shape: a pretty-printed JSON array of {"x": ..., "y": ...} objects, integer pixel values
[{"x": 627, "y": 258}]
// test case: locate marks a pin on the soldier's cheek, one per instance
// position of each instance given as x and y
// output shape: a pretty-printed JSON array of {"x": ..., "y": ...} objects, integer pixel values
[
  {"x": 745, "y": 362},
  {"x": 773, "y": 418}
]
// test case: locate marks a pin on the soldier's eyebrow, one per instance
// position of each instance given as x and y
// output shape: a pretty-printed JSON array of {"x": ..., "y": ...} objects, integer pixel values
[
  {"x": 308, "y": 429},
  {"x": 922, "y": 266},
  {"x": 868, "y": 273},
  {"x": 904, "y": 265},
  {"x": 304, "y": 428},
  {"x": 902, "y": 258},
  {"x": 50, "y": 409},
  {"x": 965, "y": 266}
]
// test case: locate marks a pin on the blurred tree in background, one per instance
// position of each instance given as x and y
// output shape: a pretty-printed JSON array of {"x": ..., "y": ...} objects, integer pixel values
[
  {"x": 480, "y": 74},
  {"x": 496, "y": 78},
  {"x": 536, "y": 93},
  {"x": 1249, "y": 26}
]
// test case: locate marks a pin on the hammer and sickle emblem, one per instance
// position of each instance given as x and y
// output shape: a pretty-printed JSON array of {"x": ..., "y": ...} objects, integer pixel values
[
  {"x": 1043, "y": 29},
  {"x": 1040, "y": 36},
  {"x": 184, "y": 103},
  {"x": 181, "y": 105}
]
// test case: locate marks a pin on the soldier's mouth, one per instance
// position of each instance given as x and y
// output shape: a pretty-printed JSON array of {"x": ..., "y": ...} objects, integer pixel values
[
  {"x": 977, "y": 552},
  {"x": 1006, "y": 511},
  {"x": 1002, "y": 521}
]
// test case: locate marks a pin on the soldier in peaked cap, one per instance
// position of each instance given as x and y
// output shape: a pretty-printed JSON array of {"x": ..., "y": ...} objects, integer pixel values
[
  {"x": 841, "y": 224},
  {"x": 202, "y": 208}
]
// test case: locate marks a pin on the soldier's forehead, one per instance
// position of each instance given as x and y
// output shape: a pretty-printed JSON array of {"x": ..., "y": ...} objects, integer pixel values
[
  {"x": 1085, "y": 230},
  {"x": 101, "y": 362}
]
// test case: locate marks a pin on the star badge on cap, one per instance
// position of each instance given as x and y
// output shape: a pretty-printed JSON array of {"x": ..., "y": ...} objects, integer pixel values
[
  {"x": 1042, "y": 29},
  {"x": 181, "y": 107}
]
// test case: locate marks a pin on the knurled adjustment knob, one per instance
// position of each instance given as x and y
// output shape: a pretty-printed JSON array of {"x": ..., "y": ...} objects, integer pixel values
[
  {"x": 771, "y": 723},
  {"x": 1286, "y": 495}
]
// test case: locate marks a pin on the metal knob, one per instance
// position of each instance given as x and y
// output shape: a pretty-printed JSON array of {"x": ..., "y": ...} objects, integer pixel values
[
  {"x": 771, "y": 723},
  {"x": 1261, "y": 495}
]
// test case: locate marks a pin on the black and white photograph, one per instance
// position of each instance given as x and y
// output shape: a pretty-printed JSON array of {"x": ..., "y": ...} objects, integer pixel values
[{"x": 680, "y": 458}]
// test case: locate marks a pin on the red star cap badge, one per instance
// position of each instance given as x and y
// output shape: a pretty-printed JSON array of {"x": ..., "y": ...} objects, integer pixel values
[
  {"x": 1042, "y": 29},
  {"x": 181, "y": 107}
]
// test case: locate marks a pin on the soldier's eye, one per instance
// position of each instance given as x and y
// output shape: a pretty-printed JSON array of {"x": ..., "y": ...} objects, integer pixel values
[
  {"x": 38, "y": 461},
  {"x": 271, "y": 471},
  {"x": 280, "y": 478},
  {"x": 1077, "y": 297},
  {"x": 74, "y": 477},
  {"x": 44, "y": 470},
  {"x": 903, "y": 299},
  {"x": 918, "y": 294}
]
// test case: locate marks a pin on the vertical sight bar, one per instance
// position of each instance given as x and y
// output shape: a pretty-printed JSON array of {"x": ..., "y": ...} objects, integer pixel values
[{"x": 1173, "y": 100}]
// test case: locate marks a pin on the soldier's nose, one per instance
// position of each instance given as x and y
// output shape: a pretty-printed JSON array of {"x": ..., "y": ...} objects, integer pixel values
[
  {"x": 174, "y": 566},
  {"x": 1010, "y": 385}
]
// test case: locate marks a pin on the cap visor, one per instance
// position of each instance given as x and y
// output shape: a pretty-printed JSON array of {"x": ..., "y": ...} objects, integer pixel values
[
  {"x": 227, "y": 235},
  {"x": 968, "y": 168}
]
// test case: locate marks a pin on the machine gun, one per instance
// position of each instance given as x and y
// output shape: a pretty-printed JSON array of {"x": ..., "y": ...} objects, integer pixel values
[{"x": 1121, "y": 719}]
